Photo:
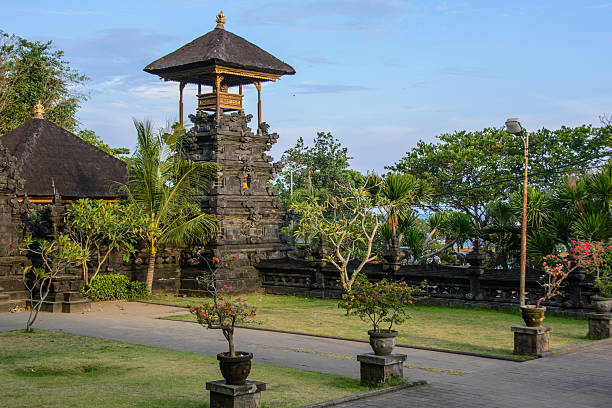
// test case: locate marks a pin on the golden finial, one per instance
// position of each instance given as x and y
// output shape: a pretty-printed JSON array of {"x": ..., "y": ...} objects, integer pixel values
[
  {"x": 39, "y": 111},
  {"x": 220, "y": 20}
]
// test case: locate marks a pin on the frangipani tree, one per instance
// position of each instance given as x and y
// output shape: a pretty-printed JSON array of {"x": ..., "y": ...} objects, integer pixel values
[
  {"x": 102, "y": 228},
  {"x": 348, "y": 223}
]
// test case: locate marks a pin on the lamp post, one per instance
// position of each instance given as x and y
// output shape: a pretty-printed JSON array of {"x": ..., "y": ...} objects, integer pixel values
[
  {"x": 310, "y": 172},
  {"x": 514, "y": 126},
  {"x": 291, "y": 178}
]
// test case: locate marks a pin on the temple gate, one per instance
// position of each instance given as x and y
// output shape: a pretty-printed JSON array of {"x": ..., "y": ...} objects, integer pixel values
[{"x": 248, "y": 209}]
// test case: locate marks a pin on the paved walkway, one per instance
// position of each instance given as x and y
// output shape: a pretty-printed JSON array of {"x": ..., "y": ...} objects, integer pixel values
[{"x": 581, "y": 379}]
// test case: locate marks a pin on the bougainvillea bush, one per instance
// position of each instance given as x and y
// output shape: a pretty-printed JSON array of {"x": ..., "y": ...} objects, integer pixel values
[
  {"x": 597, "y": 261},
  {"x": 223, "y": 313},
  {"x": 378, "y": 303},
  {"x": 589, "y": 257}
]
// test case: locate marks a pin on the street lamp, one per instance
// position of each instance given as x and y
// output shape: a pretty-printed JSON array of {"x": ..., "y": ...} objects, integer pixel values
[
  {"x": 310, "y": 172},
  {"x": 291, "y": 178},
  {"x": 309, "y": 177},
  {"x": 514, "y": 126}
]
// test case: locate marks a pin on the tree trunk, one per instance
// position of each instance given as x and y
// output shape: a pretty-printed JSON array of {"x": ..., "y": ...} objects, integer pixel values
[
  {"x": 230, "y": 340},
  {"x": 228, "y": 333},
  {"x": 151, "y": 270}
]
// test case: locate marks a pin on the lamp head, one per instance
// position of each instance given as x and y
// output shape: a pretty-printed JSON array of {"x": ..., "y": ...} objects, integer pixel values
[{"x": 514, "y": 126}]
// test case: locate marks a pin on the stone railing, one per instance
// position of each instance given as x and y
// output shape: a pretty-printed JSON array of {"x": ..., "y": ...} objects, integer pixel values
[{"x": 446, "y": 285}]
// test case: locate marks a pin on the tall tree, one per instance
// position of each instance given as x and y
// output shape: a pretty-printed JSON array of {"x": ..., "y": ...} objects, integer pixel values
[
  {"x": 91, "y": 137},
  {"x": 166, "y": 187},
  {"x": 322, "y": 166},
  {"x": 34, "y": 71},
  {"x": 577, "y": 209},
  {"x": 460, "y": 161}
]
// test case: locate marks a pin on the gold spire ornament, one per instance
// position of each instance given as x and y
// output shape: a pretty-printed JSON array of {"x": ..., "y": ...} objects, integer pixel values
[
  {"x": 39, "y": 111},
  {"x": 220, "y": 20}
]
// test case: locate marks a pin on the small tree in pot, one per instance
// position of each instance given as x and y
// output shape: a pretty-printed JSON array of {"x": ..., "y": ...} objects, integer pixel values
[
  {"x": 380, "y": 304},
  {"x": 223, "y": 313},
  {"x": 582, "y": 256}
]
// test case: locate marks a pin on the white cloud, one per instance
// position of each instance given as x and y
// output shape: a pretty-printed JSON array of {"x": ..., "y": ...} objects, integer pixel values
[
  {"x": 64, "y": 12},
  {"x": 153, "y": 91}
]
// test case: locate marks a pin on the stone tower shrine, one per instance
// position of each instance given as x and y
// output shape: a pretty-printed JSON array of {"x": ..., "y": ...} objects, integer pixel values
[{"x": 248, "y": 210}]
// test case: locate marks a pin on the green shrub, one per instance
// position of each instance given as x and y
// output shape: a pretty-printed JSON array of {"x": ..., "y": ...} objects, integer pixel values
[
  {"x": 138, "y": 290},
  {"x": 114, "y": 286}
]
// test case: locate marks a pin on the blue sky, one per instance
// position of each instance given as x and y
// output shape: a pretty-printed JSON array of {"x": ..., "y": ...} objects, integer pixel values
[{"x": 378, "y": 74}]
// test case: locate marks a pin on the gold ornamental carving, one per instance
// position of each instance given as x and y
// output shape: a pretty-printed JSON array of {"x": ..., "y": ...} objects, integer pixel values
[
  {"x": 220, "y": 20},
  {"x": 227, "y": 101},
  {"x": 39, "y": 111}
]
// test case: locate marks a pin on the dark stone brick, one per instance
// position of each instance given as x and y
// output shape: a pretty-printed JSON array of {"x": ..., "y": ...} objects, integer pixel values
[
  {"x": 247, "y": 208},
  {"x": 531, "y": 341},
  {"x": 375, "y": 369},
  {"x": 223, "y": 395},
  {"x": 600, "y": 325}
]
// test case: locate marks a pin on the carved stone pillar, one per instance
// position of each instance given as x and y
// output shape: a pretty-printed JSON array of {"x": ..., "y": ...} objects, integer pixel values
[
  {"x": 477, "y": 259},
  {"x": 394, "y": 256},
  {"x": 248, "y": 209}
]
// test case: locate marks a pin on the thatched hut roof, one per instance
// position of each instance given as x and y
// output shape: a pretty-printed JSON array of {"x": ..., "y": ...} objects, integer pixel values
[
  {"x": 48, "y": 157},
  {"x": 218, "y": 47}
]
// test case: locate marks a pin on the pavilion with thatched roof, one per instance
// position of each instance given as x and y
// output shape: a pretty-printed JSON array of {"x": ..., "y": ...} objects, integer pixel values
[{"x": 219, "y": 59}]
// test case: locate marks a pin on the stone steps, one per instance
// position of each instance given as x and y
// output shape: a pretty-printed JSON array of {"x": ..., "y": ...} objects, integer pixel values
[
  {"x": 14, "y": 295},
  {"x": 11, "y": 284},
  {"x": 9, "y": 299}
]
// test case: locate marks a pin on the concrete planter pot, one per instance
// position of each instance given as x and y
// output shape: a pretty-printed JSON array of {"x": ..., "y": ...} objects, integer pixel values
[
  {"x": 235, "y": 370},
  {"x": 382, "y": 341},
  {"x": 602, "y": 304},
  {"x": 533, "y": 316}
]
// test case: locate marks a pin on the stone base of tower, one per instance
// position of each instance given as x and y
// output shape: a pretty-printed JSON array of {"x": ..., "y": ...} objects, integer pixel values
[{"x": 247, "y": 208}]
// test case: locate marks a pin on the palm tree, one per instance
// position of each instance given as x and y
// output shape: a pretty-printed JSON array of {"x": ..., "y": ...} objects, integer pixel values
[
  {"x": 166, "y": 187},
  {"x": 445, "y": 229},
  {"x": 398, "y": 194},
  {"x": 578, "y": 209}
]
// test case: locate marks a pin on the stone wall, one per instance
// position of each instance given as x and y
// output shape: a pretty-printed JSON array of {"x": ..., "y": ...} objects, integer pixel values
[
  {"x": 12, "y": 290},
  {"x": 448, "y": 285},
  {"x": 50, "y": 218}
]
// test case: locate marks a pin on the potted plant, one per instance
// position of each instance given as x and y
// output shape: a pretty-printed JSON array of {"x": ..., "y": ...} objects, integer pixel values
[
  {"x": 382, "y": 304},
  {"x": 582, "y": 256},
  {"x": 223, "y": 312},
  {"x": 555, "y": 272}
]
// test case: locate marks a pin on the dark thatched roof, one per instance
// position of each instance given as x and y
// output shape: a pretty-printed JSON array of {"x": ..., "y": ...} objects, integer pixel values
[
  {"x": 48, "y": 154},
  {"x": 222, "y": 48}
]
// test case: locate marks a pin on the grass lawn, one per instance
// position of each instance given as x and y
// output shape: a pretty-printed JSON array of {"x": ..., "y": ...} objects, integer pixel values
[
  {"x": 466, "y": 329},
  {"x": 49, "y": 369}
]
